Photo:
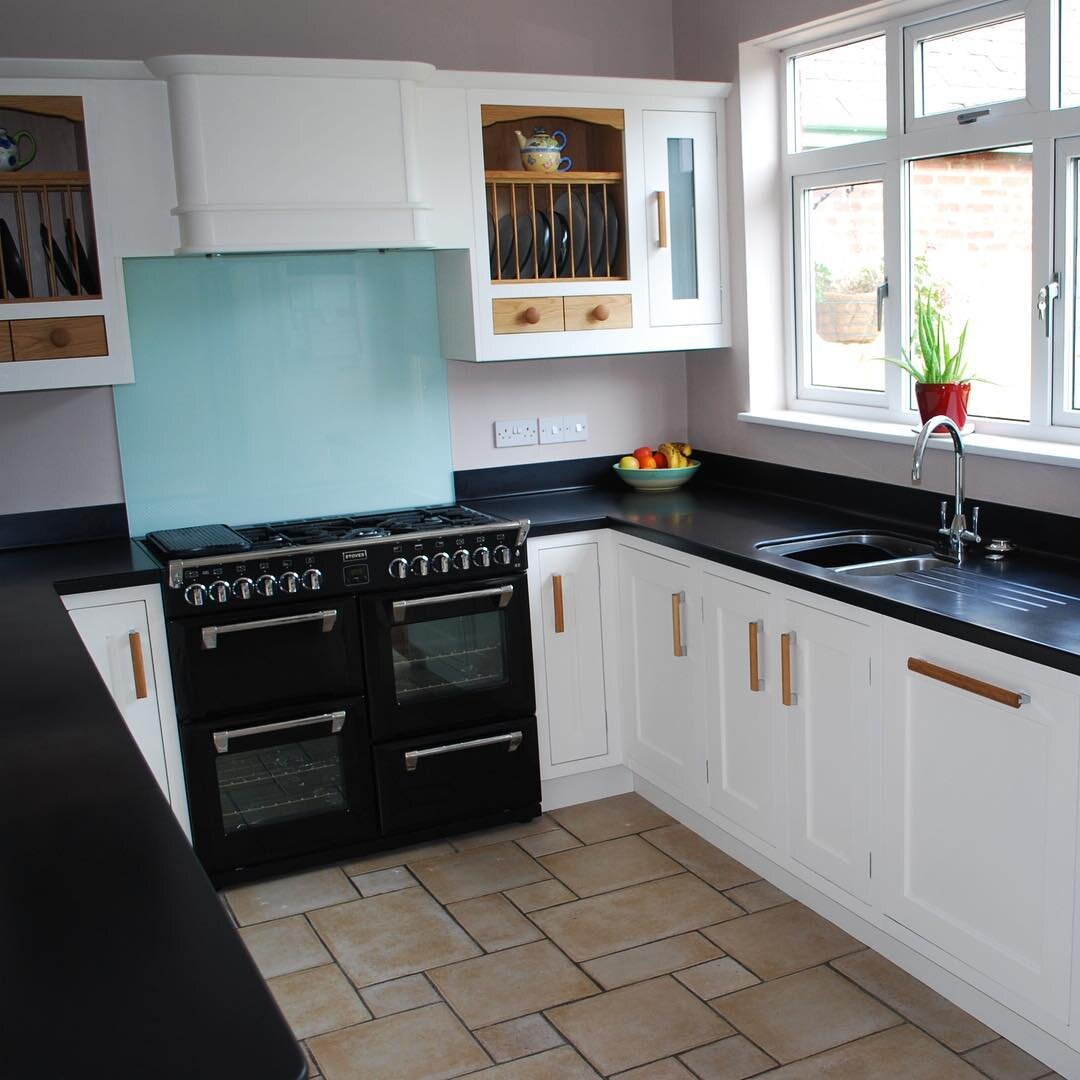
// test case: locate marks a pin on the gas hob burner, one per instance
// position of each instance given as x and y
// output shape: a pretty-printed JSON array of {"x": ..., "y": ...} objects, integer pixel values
[{"x": 443, "y": 517}]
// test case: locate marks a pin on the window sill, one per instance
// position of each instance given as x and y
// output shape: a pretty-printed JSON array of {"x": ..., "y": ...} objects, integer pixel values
[{"x": 1042, "y": 452}]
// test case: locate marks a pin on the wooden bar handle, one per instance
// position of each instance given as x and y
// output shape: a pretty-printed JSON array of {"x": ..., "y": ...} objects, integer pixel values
[
  {"x": 661, "y": 218},
  {"x": 138, "y": 666},
  {"x": 787, "y": 695},
  {"x": 677, "y": 646},
  {"x": 556, "y": 592},
  {"x": 965, "y": 682},
  {"x": 757, "y": 684}
]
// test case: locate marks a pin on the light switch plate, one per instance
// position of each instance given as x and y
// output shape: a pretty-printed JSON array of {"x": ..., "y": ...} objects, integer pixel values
[
  {"x": 552, "y": 429},
  {"x": 575, "y": 428},
  {"x": 515, "y": 432}
]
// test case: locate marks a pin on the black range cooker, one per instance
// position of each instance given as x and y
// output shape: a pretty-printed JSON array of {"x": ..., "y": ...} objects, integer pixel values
[{"x": 349, "y": 683}]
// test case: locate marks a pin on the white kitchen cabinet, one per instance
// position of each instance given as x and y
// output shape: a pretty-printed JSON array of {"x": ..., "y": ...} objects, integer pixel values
[
  {"x": 568, "y": 651},
  {"x": 980, "y": 809},
  {"x": 741, "y": 700},
  {"x": 825, "y": 669},
  {"x": 661, "y": 648},
  {"x": 124, "y": 633}
]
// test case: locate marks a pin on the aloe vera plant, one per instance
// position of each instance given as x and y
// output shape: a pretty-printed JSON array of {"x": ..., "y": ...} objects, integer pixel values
[{"x": 940, "y": 362}]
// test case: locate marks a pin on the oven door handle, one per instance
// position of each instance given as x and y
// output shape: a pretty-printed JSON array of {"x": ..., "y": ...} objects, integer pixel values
[
  {"x": 401, "y": 607},
  {"x": 512, "y": 740},
  {"x": 210, "y": 634},
  {"x": 336, "y": 719}
]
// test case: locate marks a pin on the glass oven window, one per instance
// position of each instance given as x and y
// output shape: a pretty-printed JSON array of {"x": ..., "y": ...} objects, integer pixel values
[
  {"x": 443, "y": 657},
  {"x": 280, "y": 783}
]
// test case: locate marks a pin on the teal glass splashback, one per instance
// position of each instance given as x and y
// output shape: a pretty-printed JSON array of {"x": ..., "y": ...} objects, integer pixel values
[{"x": 270, "y": 387}]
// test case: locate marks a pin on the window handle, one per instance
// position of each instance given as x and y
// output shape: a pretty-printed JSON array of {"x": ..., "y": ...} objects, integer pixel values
[
  {"x": 1047, "y": 295},
  {"x": 971, "y": 116},
  {"x": 882, "y": 293}
]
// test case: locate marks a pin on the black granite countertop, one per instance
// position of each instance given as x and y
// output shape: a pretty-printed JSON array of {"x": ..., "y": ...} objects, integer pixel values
[
  {"x": 724, "y": 525},
  {"x": 118, "y": 957}
]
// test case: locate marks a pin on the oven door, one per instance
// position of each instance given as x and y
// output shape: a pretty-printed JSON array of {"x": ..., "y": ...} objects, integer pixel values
[
  {"x": 448, "y": 657},
  {"x": 231, "y": 661},
  {"x": 288, "y": 782}
]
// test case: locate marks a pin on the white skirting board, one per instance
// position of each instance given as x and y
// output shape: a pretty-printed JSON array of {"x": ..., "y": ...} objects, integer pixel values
[{"x": 583, "y": 787}]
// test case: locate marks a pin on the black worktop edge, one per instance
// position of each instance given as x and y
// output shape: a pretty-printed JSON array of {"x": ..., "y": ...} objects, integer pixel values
[{"x": 107, "y": 521}]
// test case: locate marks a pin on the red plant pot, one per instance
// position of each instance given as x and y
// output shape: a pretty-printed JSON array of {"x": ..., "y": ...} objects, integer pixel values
[{"x": 943, "y": 399}]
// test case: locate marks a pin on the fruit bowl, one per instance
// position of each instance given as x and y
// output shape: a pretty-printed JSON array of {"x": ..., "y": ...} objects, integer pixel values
[{"x": 657, "y": 479}]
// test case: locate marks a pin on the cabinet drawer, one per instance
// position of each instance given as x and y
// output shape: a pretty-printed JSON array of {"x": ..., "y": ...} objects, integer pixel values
[
  {"x": 598, "y": 312},
  {"x": 5, "y": 342},
  {"x": 528, "y": 315},
  {"x": 58, "y": 339}
]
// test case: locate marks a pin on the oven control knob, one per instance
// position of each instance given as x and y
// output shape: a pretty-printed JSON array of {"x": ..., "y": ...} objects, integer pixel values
[
  {"x": 482, "y": 557},
  {"x": 289, "y": 582},
  {"x": 502, "y": 555},
  {"x": 242, "y": 588},
  {"x": 195, "y": 595},
  {"x": 440, "y": 562},
  {"x": 399, "y": 568},
  {"x": 312, "y": 579},
  {"x": 461, "y": 559},
  {"x": 219, "y": 591},
  {"x": 266, "y": 585},
  {"x": 419, "y": 565}
]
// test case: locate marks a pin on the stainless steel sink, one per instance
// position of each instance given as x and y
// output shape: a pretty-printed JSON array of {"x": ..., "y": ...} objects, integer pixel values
[
  {"x": 896, "y": 566},
  {"x": 854, "y": 552}
]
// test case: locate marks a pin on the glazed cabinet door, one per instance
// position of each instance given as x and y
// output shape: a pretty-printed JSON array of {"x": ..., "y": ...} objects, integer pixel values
[
  {"x": 980, "y": 807},
  {"x": 568, "y": 651},
  {"x": 824, "y": 663},
  {"x": 740, "y": 698},
  {"x": 659, "y": 647},
  {"x": 684, "y": 226}
]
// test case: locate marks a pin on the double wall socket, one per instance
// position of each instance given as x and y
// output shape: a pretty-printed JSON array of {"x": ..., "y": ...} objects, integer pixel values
[
  {"x": 549, "y": 429},
  {"x": 515, "y": 432}
]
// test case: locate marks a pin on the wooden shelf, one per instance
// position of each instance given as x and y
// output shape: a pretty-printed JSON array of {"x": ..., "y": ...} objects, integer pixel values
[
  {"x": 31, "y": 178},
  {"x": 571, "y": 176}
]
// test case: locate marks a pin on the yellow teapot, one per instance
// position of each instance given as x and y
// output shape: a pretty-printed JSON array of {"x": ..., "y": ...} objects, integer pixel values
[{"x": 542, "y": 152}]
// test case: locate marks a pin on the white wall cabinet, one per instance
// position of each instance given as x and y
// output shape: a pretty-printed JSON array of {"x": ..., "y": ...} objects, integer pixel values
[
  {"x": 124, "y": 633},
  {"x": 980, "y": 810}
]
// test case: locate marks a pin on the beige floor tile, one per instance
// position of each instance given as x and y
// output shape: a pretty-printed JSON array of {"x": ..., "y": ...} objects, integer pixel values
[
  {"x": 610, "y": 865},
  {"x": 548, "y": 842},
  {"x": 397, "y": 857},
  {"x": 385, "y": 937},
  {"x": 494, "y": 923},
  {"x": 511, "y": 983},
  {"x": 721, "y": 871},
  {"x": 716, "y": 978},
  {"x": 804, "y": 1014},
  {"x": 902, "y": 1053},
  {"x": 782, "y": 940},
  {"x": 318, "y": 1000},
  {"x": 482, "y": 870},
  {"x": 668, "y": 1069},
  {"x": 409, "y": 992},
  {"x": 648, "y": 961},
  {"x": 501, "y": 833},
  {"x": 1001, "y": 1060},
  {"x": 543, "y": 894},
  {"x": 757, "y": 896},
  {"x": 293, "y": 895},
  {"x": 424, "y": 1044},
  {"x": 604, "y": 819},
  {"x": 284, "y": 945},
  {"x": 729, "y": 1059},
  {"x": 608, "y": 923},
  {"x": 376, "y": 882},
  {"x": 312, "y": 1068},
  {"x": 636, "y": 1024},
  {"x": 518, "y": 1038},
  {"x": 564, "y": 1063},
  {"x": 914, "y": 1000}
]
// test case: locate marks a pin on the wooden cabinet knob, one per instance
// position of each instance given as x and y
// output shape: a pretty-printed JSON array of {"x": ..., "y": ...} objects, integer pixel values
[
  {"x": 601, "y": 313},
  {"x": 60, "y": 336},
  {"x": 532, "y": 315}
]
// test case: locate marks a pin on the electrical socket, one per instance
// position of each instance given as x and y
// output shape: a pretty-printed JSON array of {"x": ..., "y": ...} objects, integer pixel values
[
  {"x": 515, "y": 432},
  {"x": 552, "y": 429},
  {"x": 575, "y": 428}
]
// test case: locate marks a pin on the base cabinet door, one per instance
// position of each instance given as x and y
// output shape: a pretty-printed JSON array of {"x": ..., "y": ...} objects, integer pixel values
[
  {"x": 741, "y": 703},
  {"x": 569, "y": 652},
  {"x": 659, "y": 645},
  {"x": 824, "y": 668},
  {"x": 980, "y": 806}
]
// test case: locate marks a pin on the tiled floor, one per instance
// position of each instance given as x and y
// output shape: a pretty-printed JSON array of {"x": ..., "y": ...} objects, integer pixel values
[{"x": 603, "y": 939}]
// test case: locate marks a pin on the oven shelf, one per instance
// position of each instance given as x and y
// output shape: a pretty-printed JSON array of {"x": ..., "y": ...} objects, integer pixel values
[
  {"x": 263, "y": 775},
  {"x": 405, "y": 661}
]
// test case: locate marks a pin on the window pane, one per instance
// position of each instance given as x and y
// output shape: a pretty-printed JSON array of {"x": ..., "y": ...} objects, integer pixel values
[
  {"x": 845, "y": 234},
  {"x": 840, "y": 95},
  {"x": 1076, "y": 288},
  {"x": 683, "y": 225},
  {"x": 972, "y": 67},
  {"x": 971, "y": 249},
  {"x": 1070, "y": 52}
]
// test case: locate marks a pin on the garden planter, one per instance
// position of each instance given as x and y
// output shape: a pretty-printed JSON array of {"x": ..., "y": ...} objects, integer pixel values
[{"x": 846, "y": 318}]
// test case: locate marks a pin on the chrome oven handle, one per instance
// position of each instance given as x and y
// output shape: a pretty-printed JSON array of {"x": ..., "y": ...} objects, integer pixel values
[
  {"x": 210, "y": 634},
  {"x": 401, "y": 607},
  {"x": 221, "y": 738},
  {"x": 512, "y": 740}
]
